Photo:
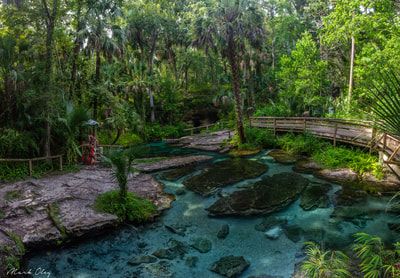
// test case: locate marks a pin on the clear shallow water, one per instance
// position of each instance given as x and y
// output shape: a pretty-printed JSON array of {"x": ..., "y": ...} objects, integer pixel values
[{"x": 107, "y": 256}]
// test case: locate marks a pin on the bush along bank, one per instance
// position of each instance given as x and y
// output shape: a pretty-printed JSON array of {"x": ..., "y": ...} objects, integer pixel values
[{"x": 342, "y": 164}]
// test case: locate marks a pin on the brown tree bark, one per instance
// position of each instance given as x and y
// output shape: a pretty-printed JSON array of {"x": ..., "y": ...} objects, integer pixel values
[
  {"x": 50, "y": 20},
  {"x": 75, "y": 54},
  {"x": 232, "y": 58}
]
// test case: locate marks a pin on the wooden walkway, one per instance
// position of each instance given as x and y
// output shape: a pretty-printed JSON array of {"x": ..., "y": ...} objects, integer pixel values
[{"x": 358, "y": 133}]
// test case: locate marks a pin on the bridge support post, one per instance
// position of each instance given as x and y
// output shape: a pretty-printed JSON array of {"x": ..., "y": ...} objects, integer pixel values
[{"x": 334, "y": 135}]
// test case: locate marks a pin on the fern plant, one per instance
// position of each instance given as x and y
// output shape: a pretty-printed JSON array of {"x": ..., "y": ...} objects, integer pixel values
[
  {"x": 376, "y": 261},
  {"x": 325, "y": 264}
]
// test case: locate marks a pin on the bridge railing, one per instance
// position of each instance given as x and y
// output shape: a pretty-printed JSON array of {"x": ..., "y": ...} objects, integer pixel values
[{"x": 354, "y": 132}]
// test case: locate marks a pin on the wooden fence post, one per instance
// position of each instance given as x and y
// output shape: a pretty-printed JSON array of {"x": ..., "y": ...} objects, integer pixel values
[
  {"x": 61, "y": 163},
  {"x": 274, "y": 126},
  {"x": 305, "y": 125},
  {"x": 384, "y": 141},
  {"x": 30, "y": 168},
  {"x": 334, "y": 134}
]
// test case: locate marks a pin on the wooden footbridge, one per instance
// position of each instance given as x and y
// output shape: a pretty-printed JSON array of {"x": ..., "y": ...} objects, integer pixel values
[{"x": 358, "y": 133}]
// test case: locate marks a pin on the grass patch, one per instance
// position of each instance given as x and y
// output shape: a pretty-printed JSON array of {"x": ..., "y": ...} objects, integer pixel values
[
  {"x": 18, "y": 242},
  {"x": 303, "y": 144},
  {"x": 2, "y": 214},
  {"x": 13, "y": 195},
  {"x": 339, "y": 157},
  {"x": 54, "y": 214},
  {"x": 135, "y": 209}
]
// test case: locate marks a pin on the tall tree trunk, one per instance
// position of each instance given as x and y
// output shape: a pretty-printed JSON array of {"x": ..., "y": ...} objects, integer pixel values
[
  {"x": 353, "y": 50},
  {"x": 50, "y": 24},
  {"x": 97, "y": 78},
  {"x": 75, "y": 54},
  {"x": 232, "y": 57},
  {"x": 150, "y": 74}
]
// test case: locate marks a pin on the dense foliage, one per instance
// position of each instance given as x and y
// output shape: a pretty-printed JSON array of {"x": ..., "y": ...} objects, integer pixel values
[
  {"x": 137, "y": 66},
  {"x": 135, "y": 209},
  {"x": 371, "y": 259}
]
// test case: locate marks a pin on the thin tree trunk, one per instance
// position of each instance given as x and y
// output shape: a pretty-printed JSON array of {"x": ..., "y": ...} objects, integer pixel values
[
  {"x": 97, "y": 78},
  {"x": 353, "y": 50},
  {"x": 232, "y": 57},
  {"x": 77, "y": 46},
  {"x": 50, "y": 24}
]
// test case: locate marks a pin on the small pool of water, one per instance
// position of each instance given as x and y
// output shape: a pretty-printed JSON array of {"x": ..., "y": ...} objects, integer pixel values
[{"x": 108, "y": 256}]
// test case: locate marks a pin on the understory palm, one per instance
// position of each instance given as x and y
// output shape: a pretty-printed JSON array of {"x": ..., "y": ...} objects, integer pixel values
[{"x": 386, "y": 102}]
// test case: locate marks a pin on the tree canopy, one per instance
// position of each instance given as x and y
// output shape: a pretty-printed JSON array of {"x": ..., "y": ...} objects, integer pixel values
[{"x": 137, "y": 66}]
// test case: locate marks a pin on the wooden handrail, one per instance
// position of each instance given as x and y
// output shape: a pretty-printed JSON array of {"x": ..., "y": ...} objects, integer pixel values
[
  {"x": 30, "y": 160},
  {"x": 355, "y": 132}
]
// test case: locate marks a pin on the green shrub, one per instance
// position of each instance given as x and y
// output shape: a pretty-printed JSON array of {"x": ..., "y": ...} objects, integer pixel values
[
  {"x": 274, "y": 110},
  {"x": 260, "y": 137},
  {"x": 136, "y": 209},
  {"x": 324, "y": 264},
  {"x": 16, "y": 144},
  {"x": 156, "y": 132},
  {"x": 358, "y": 161},
  {"x": 371, "y": 260},
  {"x": 375, "y": 260},
  {"x": 125, "y": 139},
  {"x": 304, "y": 144}
]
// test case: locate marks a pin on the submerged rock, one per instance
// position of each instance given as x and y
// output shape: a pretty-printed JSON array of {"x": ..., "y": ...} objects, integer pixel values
[
  {"x": 160, "y": 269},
  {"x": 354, "y": 215},
  {"x": 145, "y": 259},
  {"x": 191, "y": 261},
  {"x": 283, "y": 157},
  {"x": 176, "y": 174},
  {"x": 224, "y": 173},
  {"x": 273, "y": 233},
  {"x": 269, "y": 222},
  {"x": 176, "y": 229},
  {"x": 223, "y": 232},
  {"x": 180, "y": 191},
  {"x": 314, "y": 196},
  {"x": 202, "y": 245},
  {"x": 266, "y": 196},
  {"x": 230, "y": 266},
  {"x": 175, "y": 249},
  {"x": 293, "y": 232}
]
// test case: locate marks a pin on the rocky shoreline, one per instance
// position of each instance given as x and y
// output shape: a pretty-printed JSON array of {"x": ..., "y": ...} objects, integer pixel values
[{"x": 59, "y": 209}]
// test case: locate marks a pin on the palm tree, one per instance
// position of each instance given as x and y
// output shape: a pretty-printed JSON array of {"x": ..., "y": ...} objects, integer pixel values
[
  {"x": 99, "y": 34},
  {"x": 121, "y": 162},
  {"x": 386, "y": 102},
  {"x": 73, "y": 122},
  {"x": 233, "y": 24}
]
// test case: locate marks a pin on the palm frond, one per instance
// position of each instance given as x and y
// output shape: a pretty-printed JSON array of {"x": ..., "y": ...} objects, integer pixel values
[{"x": 386, "y": 102}]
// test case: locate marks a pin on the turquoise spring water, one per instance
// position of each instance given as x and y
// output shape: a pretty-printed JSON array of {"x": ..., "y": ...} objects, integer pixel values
[{"x": 107, "y": 256}]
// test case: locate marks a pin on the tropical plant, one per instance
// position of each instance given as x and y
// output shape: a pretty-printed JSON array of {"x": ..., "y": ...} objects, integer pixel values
[
  {"x": 124, "y": 204},
  {"x": 376, "y": 261},
  {"x": 73, "y": 123},
  {"x": 325, "y": 264},
  {"x": 386, "y": 102}
]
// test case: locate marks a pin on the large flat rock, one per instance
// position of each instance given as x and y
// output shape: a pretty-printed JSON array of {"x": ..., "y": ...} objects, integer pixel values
[
  {"x": 173, "y": 162},
  {"x": 58, "y": 208},
  {"x": 224, "y": 173},
  {"x": 215, "y": 141},
  {"x": 266, "y": 196}
]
